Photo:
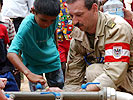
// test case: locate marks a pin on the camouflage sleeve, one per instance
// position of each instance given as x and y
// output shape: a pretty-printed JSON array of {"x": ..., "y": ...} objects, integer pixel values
[
  {"x": 75, "y": 70},
  {"x": 117, "y": 56}
]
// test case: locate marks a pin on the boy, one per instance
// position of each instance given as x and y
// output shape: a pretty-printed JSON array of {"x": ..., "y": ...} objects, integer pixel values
[{"x": 36, "y": 39}]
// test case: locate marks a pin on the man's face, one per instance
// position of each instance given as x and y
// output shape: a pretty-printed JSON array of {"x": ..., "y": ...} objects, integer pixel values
[
  {"x": 44, "y": 21},
  {"x": 82, "y": 17}
]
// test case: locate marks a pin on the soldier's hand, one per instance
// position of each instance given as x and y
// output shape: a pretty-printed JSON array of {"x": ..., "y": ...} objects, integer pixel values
[
  {"x": 92, "y": 87},
  {"x": 9, "y": 99},
  {"x": 54, "y": 89}
]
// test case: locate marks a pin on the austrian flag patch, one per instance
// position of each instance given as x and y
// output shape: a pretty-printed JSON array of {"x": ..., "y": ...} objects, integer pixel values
[{"x": 117, "y": 52}]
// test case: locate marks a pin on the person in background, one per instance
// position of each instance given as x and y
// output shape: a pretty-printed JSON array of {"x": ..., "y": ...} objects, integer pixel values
[
  {"x": 3, "y": 82},
  {"x": 101, "y": 3},
  {"x": 128, "y": 16},
  {"x": 128, "y": 9},
  {"x": 99, "y": 49},
  {"x": 5, "y": 65},
  {"x": 64, "y": 29},
  {"x": 8, "y": 23},
  {"x": 128, "y": 4},
  {"x": 17, "y": 10},
  {"x": 36, "y": 40},
  {"x": 10, "y": 29}
]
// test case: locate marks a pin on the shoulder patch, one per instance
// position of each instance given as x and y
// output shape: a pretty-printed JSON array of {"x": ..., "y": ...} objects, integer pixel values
[{"x": 111, "y": 24}]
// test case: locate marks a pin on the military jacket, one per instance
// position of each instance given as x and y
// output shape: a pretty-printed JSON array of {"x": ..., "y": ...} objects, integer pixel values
[{"x": 111, "y": 48}]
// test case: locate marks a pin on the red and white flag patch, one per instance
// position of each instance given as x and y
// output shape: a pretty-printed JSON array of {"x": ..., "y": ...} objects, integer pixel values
[{"x": 117, "y": 52}]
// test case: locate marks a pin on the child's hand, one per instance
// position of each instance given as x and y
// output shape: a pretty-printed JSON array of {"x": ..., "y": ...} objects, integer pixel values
[
  {"x": 35, "y": 78},
  {"x": 2, "y": 82}
]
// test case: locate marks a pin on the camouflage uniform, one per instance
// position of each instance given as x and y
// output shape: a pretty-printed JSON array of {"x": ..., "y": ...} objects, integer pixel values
[{"x": 112, "y": 42}]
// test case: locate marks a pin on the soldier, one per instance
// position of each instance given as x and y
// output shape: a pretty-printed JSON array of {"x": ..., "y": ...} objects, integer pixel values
[{"x": 99, "y": 49}]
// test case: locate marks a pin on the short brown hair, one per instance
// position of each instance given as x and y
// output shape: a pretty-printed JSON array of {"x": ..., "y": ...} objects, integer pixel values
[{"x": 88, "y": 3}]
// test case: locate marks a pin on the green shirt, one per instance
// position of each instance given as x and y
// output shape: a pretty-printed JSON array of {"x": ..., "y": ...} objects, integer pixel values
[{"x": 38, "y": 46}]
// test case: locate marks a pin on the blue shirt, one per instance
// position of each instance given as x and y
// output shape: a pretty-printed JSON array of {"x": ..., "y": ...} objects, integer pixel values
[{"x": 38, "y": 46}]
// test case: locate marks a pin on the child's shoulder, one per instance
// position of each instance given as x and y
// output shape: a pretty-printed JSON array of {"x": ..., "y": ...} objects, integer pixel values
[{"x": 28, "y": 21}]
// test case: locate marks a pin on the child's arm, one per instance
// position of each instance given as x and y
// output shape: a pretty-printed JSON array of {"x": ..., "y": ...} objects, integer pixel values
[{"x": 2, "y": 96}]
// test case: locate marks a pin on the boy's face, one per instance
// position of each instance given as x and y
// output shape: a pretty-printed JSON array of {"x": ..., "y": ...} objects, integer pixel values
[{"x": 44, "y": 21}]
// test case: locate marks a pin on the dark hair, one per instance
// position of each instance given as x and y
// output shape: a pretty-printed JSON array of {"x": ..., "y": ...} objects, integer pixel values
[
  {"x": 1, "y": 2},
  {"x": 47, "y": 7},
  {"x": 88, "y": 3}
]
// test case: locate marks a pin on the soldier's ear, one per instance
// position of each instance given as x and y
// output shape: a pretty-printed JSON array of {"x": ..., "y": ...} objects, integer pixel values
[{"x": 95, "y": 7}]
